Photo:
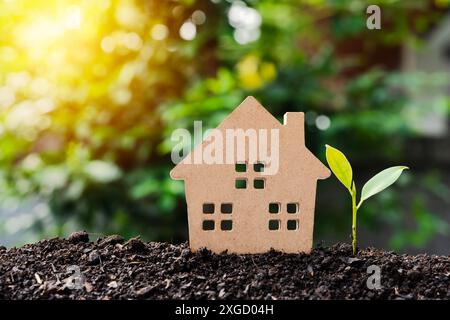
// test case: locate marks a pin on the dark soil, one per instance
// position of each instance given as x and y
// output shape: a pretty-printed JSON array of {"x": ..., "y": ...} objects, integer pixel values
[{"x": 114, "y": 269}]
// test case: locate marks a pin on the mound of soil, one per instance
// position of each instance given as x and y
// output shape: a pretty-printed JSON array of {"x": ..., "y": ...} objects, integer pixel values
[{"x": 111, "y": 268}]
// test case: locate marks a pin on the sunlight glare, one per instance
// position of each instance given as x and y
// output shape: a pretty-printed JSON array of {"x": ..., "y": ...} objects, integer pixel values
[{"x": 73, "y": 18}]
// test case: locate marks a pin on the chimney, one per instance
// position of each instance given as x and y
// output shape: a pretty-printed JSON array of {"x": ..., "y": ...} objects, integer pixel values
[{"x": 295, "y": 125}]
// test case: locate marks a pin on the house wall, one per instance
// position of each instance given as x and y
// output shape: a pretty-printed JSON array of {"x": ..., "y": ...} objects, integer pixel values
[{"x": 295, "y": 183}]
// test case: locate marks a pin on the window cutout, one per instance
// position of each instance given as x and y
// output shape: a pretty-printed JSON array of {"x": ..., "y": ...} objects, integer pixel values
[
  {"x": 259, "y": 183},
  {"x": 226, "y": 208},
  {"x": 274, "y": 207},
  {"x": 258, "y": 167},
  {"x": 208, "y": 208},
  {"x": 241, "y": 183},
  {"x": 208, "y": 225},
  {"x": 226, "y": 225},
  {"x": 274, "y": 224},
  {"x": 292, "y": 224},
  {"x": 292, "y": 208},
  {"x": 240, "y": 167}
]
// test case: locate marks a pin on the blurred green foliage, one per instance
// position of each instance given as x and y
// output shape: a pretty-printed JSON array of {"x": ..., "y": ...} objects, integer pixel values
[{"x": 90, "y": 93}]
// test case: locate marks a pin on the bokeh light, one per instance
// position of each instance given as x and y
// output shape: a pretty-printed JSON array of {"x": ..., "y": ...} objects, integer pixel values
[
  {"x": 246, "y": 22},
  {"x": 159, "y": 32},
  {"x": 188, "y": 31}
]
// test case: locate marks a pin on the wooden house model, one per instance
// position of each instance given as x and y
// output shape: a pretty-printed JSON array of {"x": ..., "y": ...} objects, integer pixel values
[{"x": 237, "y": 206}]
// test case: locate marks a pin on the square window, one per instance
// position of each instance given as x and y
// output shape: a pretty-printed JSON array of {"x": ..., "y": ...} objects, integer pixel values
[
  {"x": 208, "y": 225},
  {"x": 259, "y": 183},
  {"x": 258, "y": 167},
  {"x": 292, "y": 224},
  {"x": 274, "y": 207},
  {"x": 240, "y": 167},
  {"x": 274, "y": 225},
  {"x": 241, "y": 183},
  {"x": 208, "y": 208},
  {"x": 292, "y": 207},
  {"x": 226, "y": 225},
  {"x": 226, "y": 208}
]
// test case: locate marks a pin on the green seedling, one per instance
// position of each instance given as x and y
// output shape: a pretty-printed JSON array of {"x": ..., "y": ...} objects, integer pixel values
[{"x": 343, "y": 171}]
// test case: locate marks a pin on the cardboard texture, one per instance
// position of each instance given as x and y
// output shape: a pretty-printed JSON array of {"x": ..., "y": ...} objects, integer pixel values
[{"x": 280, "y": 215}]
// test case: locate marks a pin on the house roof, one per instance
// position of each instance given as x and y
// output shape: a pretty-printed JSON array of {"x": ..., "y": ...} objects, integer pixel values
[{"x": 252, "y": 113}]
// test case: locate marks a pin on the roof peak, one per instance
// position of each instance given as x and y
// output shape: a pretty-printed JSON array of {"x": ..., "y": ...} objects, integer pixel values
[
  {"x": 250, "y": 114},
  {"x": 250, "y": 106}
]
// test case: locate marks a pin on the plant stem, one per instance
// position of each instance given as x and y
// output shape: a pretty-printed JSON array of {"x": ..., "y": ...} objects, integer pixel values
[
  {"x": 359, "y": 204},
  {"x": 354, "y": 212}
]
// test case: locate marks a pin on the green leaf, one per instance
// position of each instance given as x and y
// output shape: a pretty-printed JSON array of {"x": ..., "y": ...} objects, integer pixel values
[
  {"x": 340, "y": 166},
  {"x": 381, "y": 181}
]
